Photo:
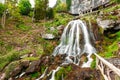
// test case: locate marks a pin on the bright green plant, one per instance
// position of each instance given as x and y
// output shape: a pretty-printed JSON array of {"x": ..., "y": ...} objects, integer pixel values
[{"x": 25, "y": 7}]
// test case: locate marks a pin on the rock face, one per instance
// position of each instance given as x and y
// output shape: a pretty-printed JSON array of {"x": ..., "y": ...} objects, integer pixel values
[
  {"x": 109, "y": 25},
  {"x": 78, "y": 6},
  {"x": 105, "y": 23}
]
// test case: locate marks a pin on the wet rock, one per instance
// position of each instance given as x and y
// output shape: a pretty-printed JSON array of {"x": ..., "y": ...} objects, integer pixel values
[
  {"x": 48, "y": 36},
  {"x": 60, "y": 30},
  {"x": 78, "y": 73},
  {"x": 33, "y": 67}
]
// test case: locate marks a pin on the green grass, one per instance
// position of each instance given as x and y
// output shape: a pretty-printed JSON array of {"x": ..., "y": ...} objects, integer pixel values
[
  {"x": 11, "y": 56},
  {"x": 112, "y": 46},
  {"x": 62, "y": 72},
  {"x": 23, "y": 27}
]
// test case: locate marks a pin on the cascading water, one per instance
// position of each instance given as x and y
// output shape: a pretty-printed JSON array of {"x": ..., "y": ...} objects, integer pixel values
[{"x": 70, "y": 45}]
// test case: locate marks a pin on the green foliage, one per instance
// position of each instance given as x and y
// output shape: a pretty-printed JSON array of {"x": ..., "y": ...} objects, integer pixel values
[
  {"x": 23, "y": 27},
  {"x": 13, "y": 9},
  {"x": 11, "y": 56},
  {"x": 2, "y": 9},
  {"x": 68, "y": 2},
  {"x": 35, "y": 75},
  {"x": 50, "y": 13},
  {"x": 111, "y": 46},
  {"x": 118, "y": 1},
  {"x": 5, "y": 48},
  {"x": 40, "y": 9},
  {"x": 24, "y": 6},
  {"x": 61, "y": 7},
  {"x": 62, "y": 72}
]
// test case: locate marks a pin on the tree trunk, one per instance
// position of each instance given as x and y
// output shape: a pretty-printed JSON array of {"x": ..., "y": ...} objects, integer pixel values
[{"x": 3, "y": 19}]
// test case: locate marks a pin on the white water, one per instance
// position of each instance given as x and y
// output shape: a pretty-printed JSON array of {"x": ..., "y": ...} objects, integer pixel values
[
  {"x": 75, "y": 31},
  {"x": 53, "y": 73},
  {"x": 43, "y": 75},
  {"x": 70, "y": 43}
]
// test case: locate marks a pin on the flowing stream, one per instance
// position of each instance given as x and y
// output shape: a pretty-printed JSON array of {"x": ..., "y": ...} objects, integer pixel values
[{"x": 70, "y": 45}]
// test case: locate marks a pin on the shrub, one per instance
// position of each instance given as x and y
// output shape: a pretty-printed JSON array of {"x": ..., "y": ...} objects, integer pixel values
[
  {"x": 61, "y": 7},
  {"x": 25, "y": 7}
]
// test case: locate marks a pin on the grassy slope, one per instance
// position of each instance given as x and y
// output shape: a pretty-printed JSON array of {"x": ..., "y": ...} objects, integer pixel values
[{"x": 20, "y": 38}]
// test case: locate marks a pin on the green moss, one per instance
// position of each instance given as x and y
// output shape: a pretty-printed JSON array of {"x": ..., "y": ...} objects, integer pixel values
[
  {"x": 62, "y": 72},
  {"x": 11, "y": 56},
  {"x": 93, "y": 65},
  {"x": 10, "y": 68},
  {"x": 42, "y": 69},
  {"x": 111, "y": 45},
  {"x": 35, "y": 75}
]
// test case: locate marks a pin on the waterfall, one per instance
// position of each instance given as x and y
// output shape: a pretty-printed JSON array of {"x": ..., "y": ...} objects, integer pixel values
[{"x": 70, "y": 45}]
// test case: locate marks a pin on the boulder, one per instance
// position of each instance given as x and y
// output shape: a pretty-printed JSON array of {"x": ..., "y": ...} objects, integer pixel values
[
  {"x": 105, "y": 23},
  {"x": 48, "y": 36},
  {"x": 33, "y": 67}
]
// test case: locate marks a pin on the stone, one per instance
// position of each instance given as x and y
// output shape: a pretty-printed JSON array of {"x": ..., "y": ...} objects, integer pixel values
[
  {"x": 52, "y": 28},
  {"x": 33, "y": 67},
  {"x": 48, "y": 36},
  {"x": 105, "y": 23},
  {"x": 61, "y": 27},
  {"x": 25, "y": 64}
]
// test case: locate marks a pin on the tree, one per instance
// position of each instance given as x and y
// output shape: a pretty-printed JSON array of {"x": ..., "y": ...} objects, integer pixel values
[
  {"x": 24, "y": 7},
  {"x": 50, "y": 13},
  {"x": 2, "y": 9},
  {"x": 13, "y": 9},
  {"x": 40, "y": 9}
]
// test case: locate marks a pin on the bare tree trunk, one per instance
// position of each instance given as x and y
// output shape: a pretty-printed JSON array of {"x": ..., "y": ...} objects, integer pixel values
[
  {"x": 3, "y": 19},
  {"x": 33, "y": 19}
]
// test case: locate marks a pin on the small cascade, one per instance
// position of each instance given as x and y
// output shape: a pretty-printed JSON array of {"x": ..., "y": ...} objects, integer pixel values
[
  {"x": 43, "y": 75},
  {"x": 53, "y": 73}
]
